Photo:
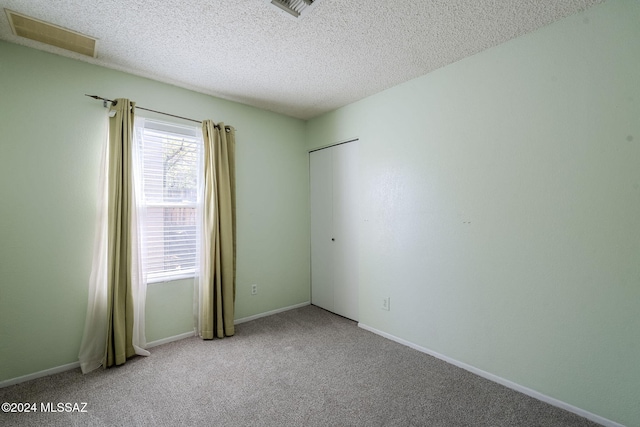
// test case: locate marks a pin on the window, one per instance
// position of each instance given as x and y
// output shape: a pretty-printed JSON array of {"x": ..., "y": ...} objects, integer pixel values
[{"x": 170, "y": 163}]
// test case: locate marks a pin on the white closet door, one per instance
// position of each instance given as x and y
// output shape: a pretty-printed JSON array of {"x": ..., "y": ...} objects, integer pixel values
[
  {"x": 345, "y": 229},
  {"x": 334, "y": 229},
  {"x": 321, "y": 170}
]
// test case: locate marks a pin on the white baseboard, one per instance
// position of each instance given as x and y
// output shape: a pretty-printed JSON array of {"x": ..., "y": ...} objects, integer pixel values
[
  {"x": 171, "y": 339},
  {"x": 235, "y": 322},
  {"x": 510, "y": 384},
  {"x": 74, "y": 365},
  {"x": 272, "y": 312},
  {"x": 39, "y": 374}
]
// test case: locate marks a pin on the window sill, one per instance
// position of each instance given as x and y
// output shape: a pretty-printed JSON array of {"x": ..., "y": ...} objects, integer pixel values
[{"x": 170, "y": 278}]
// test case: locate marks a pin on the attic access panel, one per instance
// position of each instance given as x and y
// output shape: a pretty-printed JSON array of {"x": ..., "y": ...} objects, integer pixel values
[{"x": 44, "y": 32}]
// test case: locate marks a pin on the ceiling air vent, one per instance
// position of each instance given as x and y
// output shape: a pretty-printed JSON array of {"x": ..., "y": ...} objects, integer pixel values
[
  {"x": 295, "y": 7},
  {"x": 34, "y": 29}
]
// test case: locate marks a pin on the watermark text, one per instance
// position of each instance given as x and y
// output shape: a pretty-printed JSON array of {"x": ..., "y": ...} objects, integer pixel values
[{"x": 49, "y": 407}]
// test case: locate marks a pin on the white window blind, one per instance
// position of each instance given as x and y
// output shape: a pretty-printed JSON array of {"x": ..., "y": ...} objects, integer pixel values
[{"x": 170, "y": 156}]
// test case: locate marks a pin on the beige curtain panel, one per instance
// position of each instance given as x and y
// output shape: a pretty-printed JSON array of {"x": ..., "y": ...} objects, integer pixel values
[
  {"x": 120, "y": 202},
  {"x": 218, "y": 274},
  {"x": 114, "y": 326}
]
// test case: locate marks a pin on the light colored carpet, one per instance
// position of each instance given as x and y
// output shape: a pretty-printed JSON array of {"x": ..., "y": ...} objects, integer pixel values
[{"x": 304, "y": 367}]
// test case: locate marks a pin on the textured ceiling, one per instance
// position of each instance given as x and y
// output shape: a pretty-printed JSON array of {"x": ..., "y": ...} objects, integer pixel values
[{"x": 251, "y": 52}]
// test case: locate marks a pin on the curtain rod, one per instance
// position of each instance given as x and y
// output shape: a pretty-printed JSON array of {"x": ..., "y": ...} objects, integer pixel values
[{"x": 114, "y": 102}]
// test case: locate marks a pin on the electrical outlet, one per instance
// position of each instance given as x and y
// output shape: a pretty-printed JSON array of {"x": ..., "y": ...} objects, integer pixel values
[
  {"x": 386, "y": 303},
  {"x": 254, "y": 289}
]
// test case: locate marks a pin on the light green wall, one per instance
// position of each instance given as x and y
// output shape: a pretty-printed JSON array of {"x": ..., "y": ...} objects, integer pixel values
[
  {"x": 501, "y": 209},
  {"x": 50, "y": 139},
  {"x": 174, "y": 297}
]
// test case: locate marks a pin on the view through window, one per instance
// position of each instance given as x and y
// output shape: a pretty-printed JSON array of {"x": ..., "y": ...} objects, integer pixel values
[{"x": 170, "y": 156}]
